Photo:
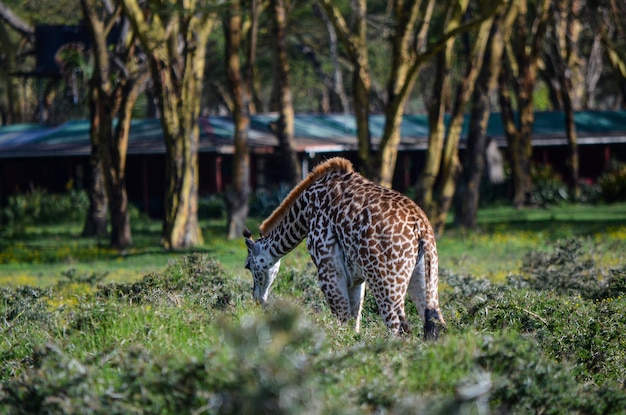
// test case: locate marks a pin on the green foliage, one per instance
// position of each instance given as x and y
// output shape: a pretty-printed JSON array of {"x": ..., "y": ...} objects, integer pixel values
[
  {"x": 212, "y": 207},
  {"x": 548, "y": 187},
  {"x": 613, "y": 183},
  {"x": 263, "y": 201},
  {"x": 41, "y": 207},
  {"x": 24, "y": 321},
  {"x": 256, "y": 368},
  {"x": 188, "y": 339},
  {"x": 566, "y": 270},
  {"x": 571, "y": 315},
  {"x": 195, "y": 277}
]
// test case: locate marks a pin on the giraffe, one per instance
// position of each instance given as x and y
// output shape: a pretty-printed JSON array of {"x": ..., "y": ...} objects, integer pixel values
[{"x": 357, "y": 233}]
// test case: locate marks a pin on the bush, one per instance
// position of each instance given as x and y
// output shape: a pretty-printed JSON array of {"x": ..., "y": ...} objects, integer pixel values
[
  {"x": 548, "y": 186},
  {"x": 212, "y": 207},
  {"x": 563, "y": 306},
  {"x": 531, "y": 383},
  {"x": 195, "y": 277},
  {"x": 41, "y": 207},
  {"x": 24, "y": 319},
  {"x": 566, "y": 270},
  {"x": 255, "y": 369},
  {"x": 263, "y": 201},
  {"x": 613, "y": 183}
]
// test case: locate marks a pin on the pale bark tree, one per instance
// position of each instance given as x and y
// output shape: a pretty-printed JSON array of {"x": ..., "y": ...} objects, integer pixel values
[
  {"x": 563, "y": 56},
  {"x": 475, "y": 158},
  {"x": 410, "y": 50},
  {"x": 609, "y": 22},
  {"x": 442, "y": 165},
  {"x": 116, "y": 83},
  {"x": 173, "y": 35},
  {"x": 13, "y": 111},
  {"x": 518, "y": 78},
  {"x": 436, "y": 104},
  {"x": 238, "y": 195},
  {"x": 450, "y": 163},
  {"x": 284, "y": 127},
  {"x": 354, "y": 39}
]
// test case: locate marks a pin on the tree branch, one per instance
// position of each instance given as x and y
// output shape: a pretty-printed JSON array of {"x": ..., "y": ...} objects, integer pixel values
[{"x": 15, "y": 22}]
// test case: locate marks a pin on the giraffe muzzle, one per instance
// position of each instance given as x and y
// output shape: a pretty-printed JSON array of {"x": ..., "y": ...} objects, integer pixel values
[{"x": 259, "y": 297}]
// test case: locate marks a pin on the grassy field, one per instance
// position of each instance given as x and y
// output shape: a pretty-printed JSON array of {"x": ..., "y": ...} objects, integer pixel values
[
  {"x": 497, "y": 248},
  {"x": 534, "y": 302}
]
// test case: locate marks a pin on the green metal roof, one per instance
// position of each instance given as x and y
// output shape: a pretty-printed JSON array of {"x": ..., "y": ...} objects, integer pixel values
[{"x": 314, "y": 132}]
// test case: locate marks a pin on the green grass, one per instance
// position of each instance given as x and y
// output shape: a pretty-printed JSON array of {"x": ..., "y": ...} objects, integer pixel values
[
  {"x": 189, "y": 340},
  {"x": 495, "y": 249},
  {"x": 534, "y": 324}
]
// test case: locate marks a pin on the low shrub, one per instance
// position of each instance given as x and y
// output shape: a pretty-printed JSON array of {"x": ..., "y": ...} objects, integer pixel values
[
  {"x": 560, "y": 301},
  {"x": 212, "y": 207},
  {"x": 548, "y": 186},
  {"x": 24, "y": 320},
  {"x": 531, "y": 383},
  {"x": 41, "y": 207},
  {"x": 613, "y": 183},
  {"x": 195, "y": 277},
  {"x": 566, "y": 269},
  {"x": 256, "y": 368},
  {"x": 263, "y": 201}
]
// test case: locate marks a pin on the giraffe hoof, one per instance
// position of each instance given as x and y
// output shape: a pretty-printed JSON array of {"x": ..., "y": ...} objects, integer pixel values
[{"x": 431, "y": 331}]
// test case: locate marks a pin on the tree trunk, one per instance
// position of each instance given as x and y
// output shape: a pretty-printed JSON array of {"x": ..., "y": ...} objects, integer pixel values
[
  {"x": 97, "y": 216},
  {"x": 12, "y": 113},
  {"x": 475, "y": 156},
  {"x": 181, "y": 133},
  {"x": 110, "y": 100},
  {"x": 354, "y": 38},
  {"x": 526, "y": 47},
  {"x": 520, "y": 165},
  {"x": 11, "y": 48},
  {"x": 174, "y": 40},
  {"x": 425, "y": 185},
  {"x": 436, "y": 106},
  {"x": 285, "y": 125},
  {"x": 564, "y": 54},
  {"x": 121, "y": 236},
  {"x": 479, "y": 119},
  {"x": 238, "y": 195},
  {"x": 450, "y": 163}
]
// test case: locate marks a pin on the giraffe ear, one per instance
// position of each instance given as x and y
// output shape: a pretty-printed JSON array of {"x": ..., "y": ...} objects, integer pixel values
[{"x": 252, "y": 246}]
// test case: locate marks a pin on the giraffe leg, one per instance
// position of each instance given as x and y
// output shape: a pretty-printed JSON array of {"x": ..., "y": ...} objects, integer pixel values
[
  {"x": 337, "y": 297},
  {"x": 393, "y": 315},
  {"x": 417, "y": 286},
  {"x": 356, "y": 295}
]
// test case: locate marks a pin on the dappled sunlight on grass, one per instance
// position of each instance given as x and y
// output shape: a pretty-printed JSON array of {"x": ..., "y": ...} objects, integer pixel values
[
  {"x": 495, "y": 250},
  {"x": 69, "y": 295}
]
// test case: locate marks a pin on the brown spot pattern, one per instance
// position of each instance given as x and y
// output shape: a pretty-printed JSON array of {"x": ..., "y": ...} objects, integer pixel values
[{"x": 359, "y": 232}]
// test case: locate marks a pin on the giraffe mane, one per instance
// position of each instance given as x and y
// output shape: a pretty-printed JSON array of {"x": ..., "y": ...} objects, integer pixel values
[{"x": 333, "y": 164}]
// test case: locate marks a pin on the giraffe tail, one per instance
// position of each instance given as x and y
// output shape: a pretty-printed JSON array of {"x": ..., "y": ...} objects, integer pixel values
[{"x": 432, "y": 313}]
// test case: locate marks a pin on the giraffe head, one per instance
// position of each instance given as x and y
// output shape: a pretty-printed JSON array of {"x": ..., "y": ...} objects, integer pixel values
[{"x": 263, "y": 267}]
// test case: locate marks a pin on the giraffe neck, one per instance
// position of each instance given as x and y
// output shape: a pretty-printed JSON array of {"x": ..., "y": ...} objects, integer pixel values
[{"x": 290, "y": 231}]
